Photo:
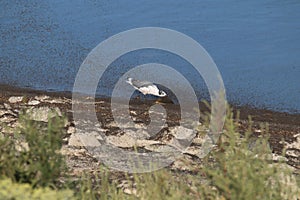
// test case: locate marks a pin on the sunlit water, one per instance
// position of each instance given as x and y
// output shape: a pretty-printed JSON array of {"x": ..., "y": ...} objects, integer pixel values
[{"x": 255, "y": 44}]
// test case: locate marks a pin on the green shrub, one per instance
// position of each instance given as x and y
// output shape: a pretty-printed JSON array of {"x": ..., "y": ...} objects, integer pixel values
[
  {"x": 40, "y": 164},
  {"x": 239, "y": 167},
  {"x": 17, "y": 191},
  {"x": 243, "y": 168}
]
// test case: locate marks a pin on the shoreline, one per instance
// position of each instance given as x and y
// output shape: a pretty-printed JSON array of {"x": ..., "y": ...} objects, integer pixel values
[
  {"x": 283, "y": 128},
  {"x": 257, "y": 114}
]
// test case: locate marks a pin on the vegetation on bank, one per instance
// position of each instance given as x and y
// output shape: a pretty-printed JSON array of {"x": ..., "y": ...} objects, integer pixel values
[{"x": 239, "y": 168}]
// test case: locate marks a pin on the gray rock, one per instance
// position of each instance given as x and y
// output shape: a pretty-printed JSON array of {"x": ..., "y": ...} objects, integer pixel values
[
  {"x": 127, "y": 141},
  {"x": 33, "y": 102},
  {"x": 7, "y": 106},
  {"x": 75, "y": 141},
  {"x": 124, "y": 141},
  {"x": 182, "y": 137},
  {"x": 161, "y": 148},
  {"x": 137, "y": 133},
  {"x": 15, "y": 99},
  {"x": 57, "y": 101},
  {"x": 43, "y": 113},
  {"x": 71, "y": 130},
  {"x": 3, "y": 112}
]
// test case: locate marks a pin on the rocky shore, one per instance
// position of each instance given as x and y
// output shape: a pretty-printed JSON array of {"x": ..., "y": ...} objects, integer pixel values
[{"x": 284, "y": 129}]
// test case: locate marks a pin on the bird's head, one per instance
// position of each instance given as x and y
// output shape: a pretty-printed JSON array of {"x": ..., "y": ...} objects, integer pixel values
[{"x": 161, "y": 93}]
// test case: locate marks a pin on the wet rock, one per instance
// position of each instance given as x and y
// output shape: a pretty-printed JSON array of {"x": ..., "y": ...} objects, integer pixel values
[{"x": 15, "y": 99}]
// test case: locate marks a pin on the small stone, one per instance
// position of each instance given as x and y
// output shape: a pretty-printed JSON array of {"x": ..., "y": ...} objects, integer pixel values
[
  {"x": 182, "y": 133},
  {"x": 3, "y": 112},
  {"x": 33, "y": 103},
  {"x": 133, "y": 112},
  {"x": 184, "y": 163},
  {"x": 143, "y": 143},
  {"x": 276, "y": 157},
  {"x": 71, "y": 130},
  {"x": 297, "y": 135},
  {"x": 8, "y": 119},
  {"x": 130, "y": 191},
  {"x": 293, "y": 153},
  {"x": 257, "y": 131},
  {"x": 161, "y": 148},
  {"x": 139, "y": 134},
  {"x": 57, "y": 101},
  {"x": 7, "y": 106},
  {"x": 80, "y": 153},
  {"x": 198, "y": 140},
  {"x": 294, "y": 145},
  {"x": 123, "y": 141},
  {"x": 193, "y": 150},
  {"x": 41, "y": 98},
  {"x": 15, "y": 99},
  {"x": 22, "y": 146},
  {"x": 182, "y": 137}
]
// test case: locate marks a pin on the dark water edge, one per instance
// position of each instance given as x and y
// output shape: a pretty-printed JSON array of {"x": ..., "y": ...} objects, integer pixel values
[{"x": 258, "y": 114}]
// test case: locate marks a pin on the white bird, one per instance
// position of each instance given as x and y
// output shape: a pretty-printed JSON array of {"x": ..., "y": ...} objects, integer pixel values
[{"x": 146, "y": 87}]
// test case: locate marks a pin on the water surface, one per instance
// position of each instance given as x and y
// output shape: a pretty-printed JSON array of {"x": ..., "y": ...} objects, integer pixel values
[{"x": 255, "y": 44}]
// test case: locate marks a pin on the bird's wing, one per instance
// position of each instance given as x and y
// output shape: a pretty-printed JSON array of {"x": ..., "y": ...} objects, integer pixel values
[
  {"x": 150, "y": 89},
  {"x": 139, "y": 84}
]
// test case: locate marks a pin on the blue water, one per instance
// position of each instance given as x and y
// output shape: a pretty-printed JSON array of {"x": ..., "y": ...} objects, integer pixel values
[{"x": 255, "y": 44}]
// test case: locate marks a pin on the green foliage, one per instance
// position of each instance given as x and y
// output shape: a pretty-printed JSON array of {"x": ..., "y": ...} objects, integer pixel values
[
  {"x": 17, "y": 191},
  {"x": 239, "y": 167},
  {"x": 36, "y": 160},
  {"x": 243, "y": 169}
]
